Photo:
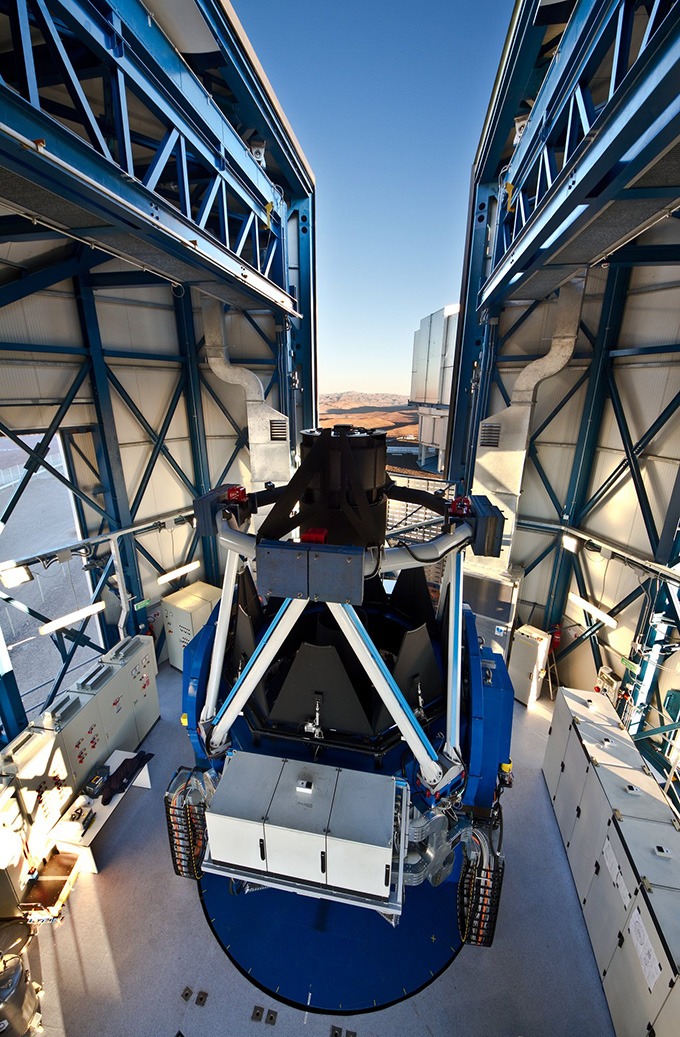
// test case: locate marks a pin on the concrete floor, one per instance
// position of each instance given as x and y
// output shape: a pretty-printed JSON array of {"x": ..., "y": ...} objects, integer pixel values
[{"x": 134, "y": 936}]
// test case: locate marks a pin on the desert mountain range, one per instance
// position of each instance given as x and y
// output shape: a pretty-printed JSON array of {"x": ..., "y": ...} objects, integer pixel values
[{"x": 385, "y": 411}]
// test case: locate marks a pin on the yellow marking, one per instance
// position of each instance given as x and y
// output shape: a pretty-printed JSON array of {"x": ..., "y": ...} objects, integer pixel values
[
  {"x": 431, "y": 972},
  {"x": 404, "y": 989},
  {"x": 269, "y": 206},
  {"x": 230, "y": 946},
  {"x": 433, "y": 938},
  {"x": 277, "y": 989},
  {"x": 250, "y": 970}
]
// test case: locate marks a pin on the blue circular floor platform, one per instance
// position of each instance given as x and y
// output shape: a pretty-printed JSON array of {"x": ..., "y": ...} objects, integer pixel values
[{"x": 321, "y": 956}]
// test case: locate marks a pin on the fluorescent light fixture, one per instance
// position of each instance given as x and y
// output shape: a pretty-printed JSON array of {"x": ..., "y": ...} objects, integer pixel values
[
  {"x": 516, "y": 277},
  {"x": 592, "y": 610},
  {"x": 573, "y": 215},
  {"x": 452, "y": 309},
  {"x": 73, "y": 617},
  {"x": 571, "y": 543},
  {"x": 174, "y": 573},
  {"x": 15, "y": 576}
]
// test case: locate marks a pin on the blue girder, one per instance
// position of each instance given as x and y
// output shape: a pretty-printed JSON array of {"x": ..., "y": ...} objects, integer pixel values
[
  {"x": 215, "y": 170},
  {"x": 579, "y": 152}
]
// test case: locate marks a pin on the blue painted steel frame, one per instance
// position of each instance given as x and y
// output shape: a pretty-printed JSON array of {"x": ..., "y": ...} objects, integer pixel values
[
  {"x": 132, "y": 50},
  {"x": 640, "y": 118},
  {"x": 219, "y": 180}
]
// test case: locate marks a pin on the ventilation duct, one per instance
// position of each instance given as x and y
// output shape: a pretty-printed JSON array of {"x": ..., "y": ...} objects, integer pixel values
[
  {"x": 268, "y": 434},
  {"x": 504, "y": 437}
]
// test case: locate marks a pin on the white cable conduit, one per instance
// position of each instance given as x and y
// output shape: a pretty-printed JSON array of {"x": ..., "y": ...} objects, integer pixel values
[{"x": 392, "y": 559}]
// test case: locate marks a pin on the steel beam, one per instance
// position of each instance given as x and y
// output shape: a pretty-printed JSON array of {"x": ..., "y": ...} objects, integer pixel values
[
  {"x": 610, "y": 323},
  {"x": 106, "y": 441},
  {"x": 667, "y": 413},
  {"x": 594, "y": 627},
  {"x": 12, "y": 712},
  {"x": 42, "y": 448},
  {"x": 186, "y": 334},
  {"x": 636, "y": 474},
  {"x": 470, "y": 338}
]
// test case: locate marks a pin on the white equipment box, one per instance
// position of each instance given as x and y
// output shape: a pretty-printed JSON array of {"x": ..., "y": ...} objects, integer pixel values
[
  {"x": 110, "y": 685},
  {"x": 136, "y": 657},
  {"x": 38, "y": 762},
  {"x": 622, "y": 837},
  {"x": 325, "y": 825},
  {"x": 185, "y": 613},
  {"x": 77, "y": 717},
  {"x": 528, "y": 662}
]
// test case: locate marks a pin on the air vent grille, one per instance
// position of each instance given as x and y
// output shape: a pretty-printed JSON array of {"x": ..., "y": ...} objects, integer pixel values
[
  {"x": 490, "y": 434},
  {"x": 278, "y": 430}
]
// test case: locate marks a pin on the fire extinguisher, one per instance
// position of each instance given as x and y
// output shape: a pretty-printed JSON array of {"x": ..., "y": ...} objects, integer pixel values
[{"x": 556, "y": 632}]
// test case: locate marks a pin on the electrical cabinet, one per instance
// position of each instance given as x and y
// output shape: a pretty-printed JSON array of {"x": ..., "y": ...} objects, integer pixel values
[
  {"x": 609, "y": 898},
  {"x": 77, "y": 717},
  {"x": 298, "y": 820},
  {"x": 644, "y": 965},
  {"x": 528, "y": 662},
  {"x": 310, "y": 823},
  {"x": 622, "y": 837},
  {"x": 38, "y": 762},
  {"x": 235, "y": 817},
  {"x": 137, "y": 659},
  {"x": 185, "y": 613},
  {"x": 574, "y": 771},
  {"x": 109, "y": 684},
  {"x": 360, "y": 834}
]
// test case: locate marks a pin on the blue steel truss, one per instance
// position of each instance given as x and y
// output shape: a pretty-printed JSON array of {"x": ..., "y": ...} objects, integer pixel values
[
  {"x": 110, "y": 136},
  {"x": 567, "y": 187}
]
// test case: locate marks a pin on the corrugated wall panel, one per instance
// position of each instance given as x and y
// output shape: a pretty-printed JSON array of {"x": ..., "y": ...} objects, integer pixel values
[
  {"x": 47, "y": 318},
  {"x": 138, "y": 319}
]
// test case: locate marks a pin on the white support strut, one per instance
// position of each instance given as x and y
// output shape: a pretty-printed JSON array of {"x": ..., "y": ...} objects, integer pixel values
[
  {"x": 393, "y": 558},
  {"x": 256, "y": 667},
  {"x": 384, "y": 684},
  {"x": 455, "y": 647},
  {"x": 221, "y": 633}
]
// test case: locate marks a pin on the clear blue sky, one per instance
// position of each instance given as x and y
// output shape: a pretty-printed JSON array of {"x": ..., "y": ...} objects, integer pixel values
[{"x": 387, "y": 101}]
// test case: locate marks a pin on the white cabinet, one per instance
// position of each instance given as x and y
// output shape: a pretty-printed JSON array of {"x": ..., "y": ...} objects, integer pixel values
[
  {"x": 136, "y": 658},
  {"x": 528, "y": 662},
  {"x": 622, "y": 838},
  {"x": 329, "y": 826},
  {"x": 185, "y": 613}
]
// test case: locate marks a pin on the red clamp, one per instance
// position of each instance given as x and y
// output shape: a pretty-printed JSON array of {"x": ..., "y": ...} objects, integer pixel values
[
  {"x": 237, "y": 494},
  {"x": 461, "y": 507},
  {"x": 314, "y": 536}
]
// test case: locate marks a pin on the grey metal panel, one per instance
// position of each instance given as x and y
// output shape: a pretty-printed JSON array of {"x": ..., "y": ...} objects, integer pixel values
[
  {"x": 297, "y": 821},
  {"x": 570, "y": 786},
  {"x": 609, "y": 900},
  {"x": 641, "y": 836},
  {"x": 636, "y": 997},
  {"x": 592, "y": 706},
  {"x": 608, "y": 746},
  {"x": 247, "y": 786},
  {"x": 238, "y": 808},
  {"x": 360, "y": 833},
  {"x": 621, "y": 784},
  {"x": 592, "y": 814},
  {"x": 667, "y": 1022},
  {"x": 337, "y": 575},
  {"x": 557, "y": 743},
  {"x": 282, "y": 570}
]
